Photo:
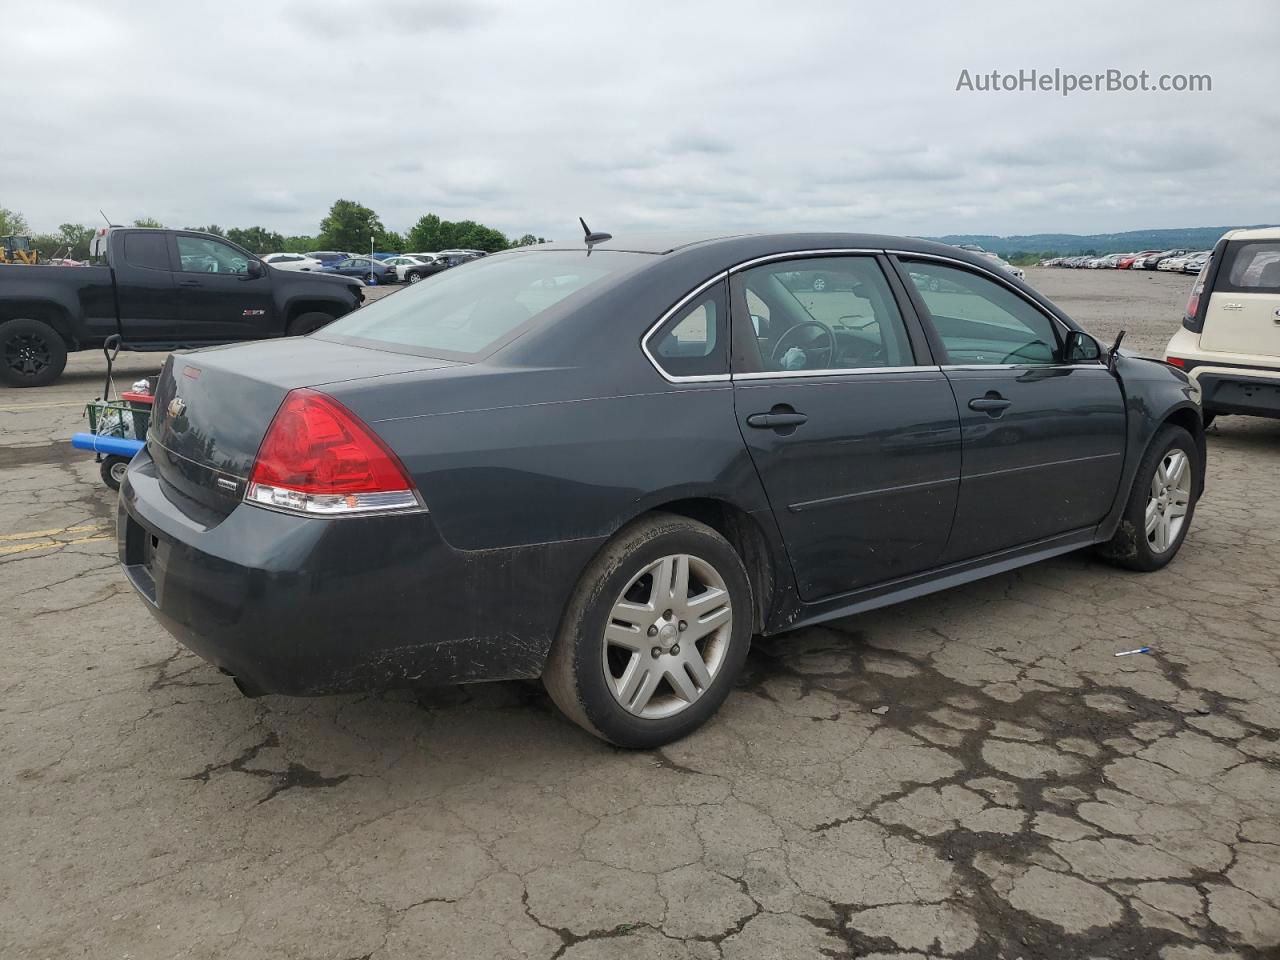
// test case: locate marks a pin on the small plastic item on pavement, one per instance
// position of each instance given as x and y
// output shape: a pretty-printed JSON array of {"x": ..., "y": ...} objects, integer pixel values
[
  {"x": 141, "y": 386},
  {"x": 1129, "y": 653}
]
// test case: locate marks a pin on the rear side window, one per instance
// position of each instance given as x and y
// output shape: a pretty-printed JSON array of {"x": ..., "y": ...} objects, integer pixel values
[
  {"x": 1254, "y": 267},
  {"x": 694, "y": 343},
  {"x": 463, "y": 312},
  {"x": 147, "y": 250}
]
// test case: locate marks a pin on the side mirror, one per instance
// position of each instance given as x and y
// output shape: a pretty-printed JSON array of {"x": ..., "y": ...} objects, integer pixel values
[
  {"x": 254, "y": 268},
  {"x": 1081, "y": 348}
]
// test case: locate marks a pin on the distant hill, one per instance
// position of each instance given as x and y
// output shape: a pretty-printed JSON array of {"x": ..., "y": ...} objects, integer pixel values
[{"x": 1065, "y": 244}]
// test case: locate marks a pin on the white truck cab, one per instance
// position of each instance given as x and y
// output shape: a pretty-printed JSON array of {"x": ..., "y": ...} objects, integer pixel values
[{"x": 1229, "y": 344}]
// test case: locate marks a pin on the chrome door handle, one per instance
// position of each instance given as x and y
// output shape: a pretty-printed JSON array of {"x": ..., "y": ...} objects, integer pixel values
[{"x": 773, "y": 421}]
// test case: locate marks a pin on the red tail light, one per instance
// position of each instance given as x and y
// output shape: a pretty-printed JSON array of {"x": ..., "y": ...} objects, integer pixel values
[
  {"x": 1175, "y": 361},
  {"x": 1193, "y": 301},
  {"x": 318, "y": 457}
]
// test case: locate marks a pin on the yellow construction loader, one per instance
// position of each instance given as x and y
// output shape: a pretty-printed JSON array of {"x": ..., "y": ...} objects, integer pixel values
[{"x": 17, "y": 250}]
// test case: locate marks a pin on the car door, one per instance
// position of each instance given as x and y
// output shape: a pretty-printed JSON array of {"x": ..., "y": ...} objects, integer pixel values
[
  {"x": 1043, "y": 439},
  {"x": 219, "y": 298},
  {"x": 852, "y": 428},
  {"x": 145, "y": 295}
]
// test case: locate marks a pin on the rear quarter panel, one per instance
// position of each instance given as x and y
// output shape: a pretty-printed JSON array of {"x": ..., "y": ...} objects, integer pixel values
[{"x": 559, "y": 463}]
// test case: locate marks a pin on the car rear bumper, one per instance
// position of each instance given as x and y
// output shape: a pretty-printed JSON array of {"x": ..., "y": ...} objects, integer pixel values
[
  {"x": 1229, "y": 391},
  {"x": 306, "y": 606}
]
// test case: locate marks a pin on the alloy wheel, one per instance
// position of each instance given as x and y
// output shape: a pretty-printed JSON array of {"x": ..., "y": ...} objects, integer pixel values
[
  {"x": 667, "y": 636},
  {"x": 27, "y": 354},
  {"x": 415, "y": 277},
  {"x": 819, "y": 284},
  {"x": 1169, "y": 500}
]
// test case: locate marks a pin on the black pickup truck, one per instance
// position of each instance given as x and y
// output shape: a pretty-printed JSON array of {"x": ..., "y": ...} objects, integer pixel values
[{"x": 159, "y": 290}]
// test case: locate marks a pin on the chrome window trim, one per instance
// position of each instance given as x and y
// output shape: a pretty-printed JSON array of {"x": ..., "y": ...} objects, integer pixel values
[
  {"x": 995, "y": 273},
  {"x": 680, "y": 304},
  {"x": 1089, "y": 365},
  {"x": 802, "y": 254},
  {"x": 840, "y": 372}
]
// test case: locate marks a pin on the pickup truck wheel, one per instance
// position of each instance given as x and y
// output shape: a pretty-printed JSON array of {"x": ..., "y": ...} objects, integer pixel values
[
  {"x": 1161, "y": 503},
  {"x": 32, "y": 353},
  {"x": 306, "y": 323},
  {"x": 655, "y": 634}
]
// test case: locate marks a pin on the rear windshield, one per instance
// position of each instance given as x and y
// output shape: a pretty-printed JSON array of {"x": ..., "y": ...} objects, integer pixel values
[
  {"x": 1255, "y": 266},
  {"x": 464, "y": 311}
]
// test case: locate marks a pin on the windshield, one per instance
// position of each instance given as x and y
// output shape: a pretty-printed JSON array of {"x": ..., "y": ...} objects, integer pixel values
[{"x": 465, "y": 310}]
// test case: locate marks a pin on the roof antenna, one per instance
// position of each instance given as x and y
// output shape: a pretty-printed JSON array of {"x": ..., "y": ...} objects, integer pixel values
[{"x": 593, "y": 238}]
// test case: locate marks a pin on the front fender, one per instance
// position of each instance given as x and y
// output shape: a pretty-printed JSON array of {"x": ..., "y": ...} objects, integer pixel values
[{"x": 1155, "y": 393}]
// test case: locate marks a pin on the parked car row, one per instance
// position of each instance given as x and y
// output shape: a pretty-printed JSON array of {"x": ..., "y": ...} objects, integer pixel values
[
  {"x": 378, "y": 268},
  {"x": 1178, "y": 261}
]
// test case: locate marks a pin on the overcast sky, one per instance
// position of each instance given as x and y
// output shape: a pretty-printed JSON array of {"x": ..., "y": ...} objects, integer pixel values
[{"x": 525, "y": 115}]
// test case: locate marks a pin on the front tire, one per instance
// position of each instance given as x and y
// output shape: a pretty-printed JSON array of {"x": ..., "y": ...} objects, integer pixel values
[
  {"x": 415, "y": 277},
  {"x": 306, "y": 323},
  {"x": 32, "y": 353},
  {"x": 1163, "y": 499},
  {"x": 655, "y": 634}
]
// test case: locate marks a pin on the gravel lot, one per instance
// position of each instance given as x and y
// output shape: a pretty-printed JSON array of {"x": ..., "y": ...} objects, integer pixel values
[{"x": 1024, "y": 794}]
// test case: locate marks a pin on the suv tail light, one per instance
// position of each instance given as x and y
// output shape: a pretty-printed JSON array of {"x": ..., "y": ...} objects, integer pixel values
[
  {"x": 319, "y": 458},
  {"x": 1193, "y": 301}
]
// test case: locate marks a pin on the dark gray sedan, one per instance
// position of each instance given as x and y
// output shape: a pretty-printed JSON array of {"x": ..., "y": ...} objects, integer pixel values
[{"x": 612, "y": 465}]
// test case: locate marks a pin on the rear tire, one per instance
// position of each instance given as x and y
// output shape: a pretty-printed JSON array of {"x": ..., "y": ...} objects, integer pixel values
[
  {"x": 113, "y": 469},
  {"x": 588, "y": 671},
  {"x": 1149, "y": 536},
  {"x": 306, "y": 323},
  {"x": 32, "y": 353}
]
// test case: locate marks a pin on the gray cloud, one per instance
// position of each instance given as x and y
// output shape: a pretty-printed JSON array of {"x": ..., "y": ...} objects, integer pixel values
[{"x": 734, "y": 115}]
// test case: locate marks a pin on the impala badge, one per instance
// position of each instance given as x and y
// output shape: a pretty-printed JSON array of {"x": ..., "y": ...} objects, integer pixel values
[{"x": 177, "y": 407}]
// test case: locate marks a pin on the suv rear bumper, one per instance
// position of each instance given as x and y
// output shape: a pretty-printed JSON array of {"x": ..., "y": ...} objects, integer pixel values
[
  {"x": 1229, "y": 383},
  {"x": 1236, "y": 391}
]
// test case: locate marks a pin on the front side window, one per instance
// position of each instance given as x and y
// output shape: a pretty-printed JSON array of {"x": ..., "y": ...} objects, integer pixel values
[
  {"x": 694, "y": 342},
  {"x": 981, "y": 322},
  {"x": 203, "y": 255},
  {"x": 823, "y": 313},
  {"x": 464, "y": 312}
]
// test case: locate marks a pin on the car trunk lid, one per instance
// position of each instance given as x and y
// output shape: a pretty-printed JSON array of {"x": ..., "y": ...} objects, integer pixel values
[{"x": 212, "y": 408}]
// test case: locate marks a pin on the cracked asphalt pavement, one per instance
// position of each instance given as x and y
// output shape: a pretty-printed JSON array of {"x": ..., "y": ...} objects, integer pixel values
[{"x": 972, "y": 774}]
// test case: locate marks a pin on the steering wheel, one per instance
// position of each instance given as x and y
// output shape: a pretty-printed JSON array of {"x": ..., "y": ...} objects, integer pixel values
[
  {"x": 1016, "y": 355},
  {"x": 831, "y": 338}
]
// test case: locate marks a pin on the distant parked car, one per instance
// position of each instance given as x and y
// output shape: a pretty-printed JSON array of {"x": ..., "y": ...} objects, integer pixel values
[
  {"x": 330, "y": 256},
  {"x": 292, "y": 261},
  {"x": 1196, "y": 261},
  {"x": 366, "y": 268},
  {"x": 412, "y": 267},
  {"x": 1130, "y": 260},
  {"x": 1153, "y": 262}
]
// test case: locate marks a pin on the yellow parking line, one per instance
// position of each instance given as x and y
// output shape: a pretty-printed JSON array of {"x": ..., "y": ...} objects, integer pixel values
[
  {"x": 32, "y": 534},
  {"x": 24, "y": 547}
]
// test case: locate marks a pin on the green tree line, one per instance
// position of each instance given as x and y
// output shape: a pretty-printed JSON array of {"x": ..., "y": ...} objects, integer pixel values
[{"x": 347, "y": 226}]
